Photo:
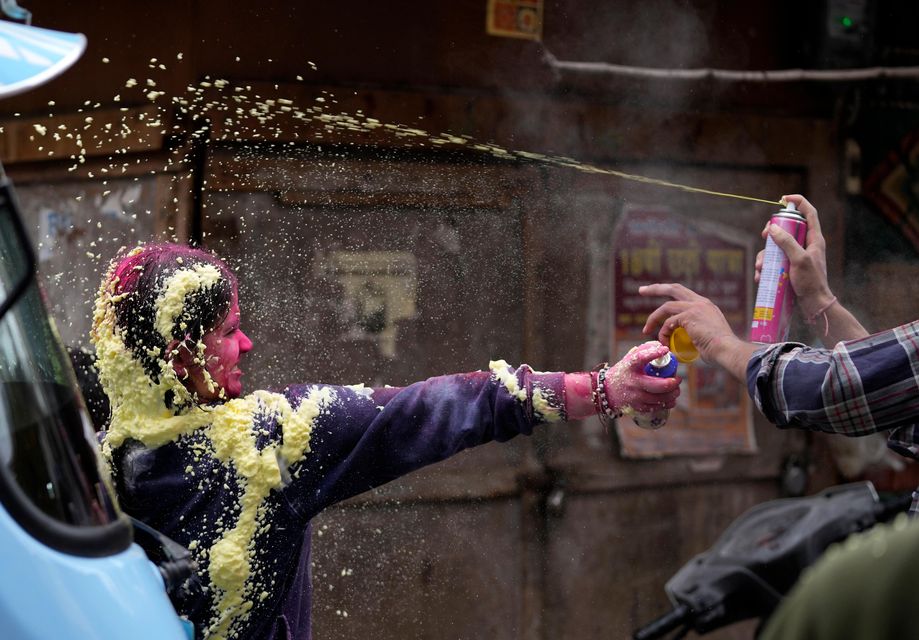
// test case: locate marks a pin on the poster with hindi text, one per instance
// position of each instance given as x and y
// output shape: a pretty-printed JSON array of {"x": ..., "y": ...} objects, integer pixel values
[{"x": 713, "y": 414}]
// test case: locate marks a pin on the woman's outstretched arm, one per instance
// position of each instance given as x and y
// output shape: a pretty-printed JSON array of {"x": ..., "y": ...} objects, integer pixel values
[{"x": 366, "y": 437}]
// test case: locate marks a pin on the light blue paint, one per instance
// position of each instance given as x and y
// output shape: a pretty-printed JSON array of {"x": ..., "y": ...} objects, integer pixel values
[
  {"x": 30, "y": 56},
  {"x": 46, "y": 594}
]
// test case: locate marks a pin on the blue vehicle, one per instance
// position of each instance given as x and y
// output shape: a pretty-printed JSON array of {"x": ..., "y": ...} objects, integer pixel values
[{"x": 69, "y": 566}]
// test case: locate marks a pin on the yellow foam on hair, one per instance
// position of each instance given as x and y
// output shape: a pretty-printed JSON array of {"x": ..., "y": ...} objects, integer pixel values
[{"x": 181, "y": 283}]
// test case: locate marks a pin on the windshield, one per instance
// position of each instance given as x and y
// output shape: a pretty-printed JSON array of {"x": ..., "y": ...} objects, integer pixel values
[{"x": 49, "y": 467}]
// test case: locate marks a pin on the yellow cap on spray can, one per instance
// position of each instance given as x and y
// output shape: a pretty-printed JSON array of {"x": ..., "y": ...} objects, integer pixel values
[{"x": 682, "y": 347}]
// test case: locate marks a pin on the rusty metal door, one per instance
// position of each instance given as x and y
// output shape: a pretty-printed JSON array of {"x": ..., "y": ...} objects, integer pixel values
[{"x": 554, "y": 536}]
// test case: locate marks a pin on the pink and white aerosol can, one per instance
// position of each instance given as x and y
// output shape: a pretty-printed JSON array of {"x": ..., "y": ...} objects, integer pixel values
[{"x": 774, "y": 296}]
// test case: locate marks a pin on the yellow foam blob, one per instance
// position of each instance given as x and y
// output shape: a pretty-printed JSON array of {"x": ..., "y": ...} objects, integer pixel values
[{"x": 682, "y": 347}]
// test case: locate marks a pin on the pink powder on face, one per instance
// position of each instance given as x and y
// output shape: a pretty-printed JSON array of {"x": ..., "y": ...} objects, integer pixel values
[{"x": 223, "y": 348}]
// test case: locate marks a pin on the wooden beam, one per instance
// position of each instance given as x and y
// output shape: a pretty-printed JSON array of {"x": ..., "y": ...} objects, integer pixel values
[{"x": 101, "y": 132}]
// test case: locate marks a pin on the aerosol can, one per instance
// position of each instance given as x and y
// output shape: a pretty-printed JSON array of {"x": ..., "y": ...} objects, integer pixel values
[
  {"x": 663, "y": 367},
  {"x": 774, "y": 296}
]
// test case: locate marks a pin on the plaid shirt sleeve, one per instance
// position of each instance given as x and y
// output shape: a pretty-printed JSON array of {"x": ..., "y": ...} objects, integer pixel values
[{"x": 860, "y": 387}]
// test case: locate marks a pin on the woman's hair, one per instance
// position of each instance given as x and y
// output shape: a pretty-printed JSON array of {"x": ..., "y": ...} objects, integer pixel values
[{"x": 138, "y": 281}]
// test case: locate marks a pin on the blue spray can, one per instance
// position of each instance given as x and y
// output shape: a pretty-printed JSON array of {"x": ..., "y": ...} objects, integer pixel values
[{"x": 663, "y": 367}]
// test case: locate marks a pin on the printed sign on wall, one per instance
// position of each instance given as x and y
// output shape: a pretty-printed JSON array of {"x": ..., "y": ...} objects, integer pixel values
[{"x": 713, "y": 414}]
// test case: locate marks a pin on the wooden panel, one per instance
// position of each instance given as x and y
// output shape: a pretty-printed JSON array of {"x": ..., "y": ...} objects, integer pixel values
[
  {"x": 418, "y": 43},
  {"x": 546, "y": 123},
  {"x": 98, "y": 132},
  {"x": 78, "y": 226},
  {"x": 314, "y": 178},
  {"x": 610, "y": 555},
  {"x": 432, "y": 572},
  {"x": 467, "y": 280},
  {"x": 465, "y": 286}
]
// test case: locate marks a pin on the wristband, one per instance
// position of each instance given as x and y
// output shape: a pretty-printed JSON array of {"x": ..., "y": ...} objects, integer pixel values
[{"x": 822, "y": 312}]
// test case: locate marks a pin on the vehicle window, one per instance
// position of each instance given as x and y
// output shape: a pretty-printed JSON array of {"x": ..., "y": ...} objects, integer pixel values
[{"x": 47, "y": 453}]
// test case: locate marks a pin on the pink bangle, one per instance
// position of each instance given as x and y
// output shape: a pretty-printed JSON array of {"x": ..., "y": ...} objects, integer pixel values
[{"x": 822, "y": 312}]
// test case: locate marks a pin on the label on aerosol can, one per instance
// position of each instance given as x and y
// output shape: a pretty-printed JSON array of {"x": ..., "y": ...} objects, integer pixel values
[{"x": 774, "y": 296}]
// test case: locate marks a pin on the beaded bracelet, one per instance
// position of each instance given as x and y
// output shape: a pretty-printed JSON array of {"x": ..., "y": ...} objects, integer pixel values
[{"x": 605, "y": 411}]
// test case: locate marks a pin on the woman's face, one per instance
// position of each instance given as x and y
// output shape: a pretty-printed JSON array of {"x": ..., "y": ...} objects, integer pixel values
[{"x": 222, "y": 349}]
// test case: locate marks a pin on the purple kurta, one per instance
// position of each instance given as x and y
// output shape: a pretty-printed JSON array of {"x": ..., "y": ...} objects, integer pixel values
[{"x": 364, "y": 439}]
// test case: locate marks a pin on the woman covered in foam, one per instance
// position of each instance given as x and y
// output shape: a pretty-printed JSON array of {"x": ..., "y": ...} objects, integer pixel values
[{"x": 237, "y": 478}]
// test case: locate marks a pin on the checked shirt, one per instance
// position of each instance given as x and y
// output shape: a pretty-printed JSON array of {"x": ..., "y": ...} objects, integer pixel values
[{"x": 859, "y": 387}]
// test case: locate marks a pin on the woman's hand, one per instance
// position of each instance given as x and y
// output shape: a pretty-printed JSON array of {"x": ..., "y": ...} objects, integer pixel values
[{"x": 628, "y": 386}]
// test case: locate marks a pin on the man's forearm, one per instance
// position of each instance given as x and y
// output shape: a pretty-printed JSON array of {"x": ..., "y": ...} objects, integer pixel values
[{"x": 733, "y": 354}]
